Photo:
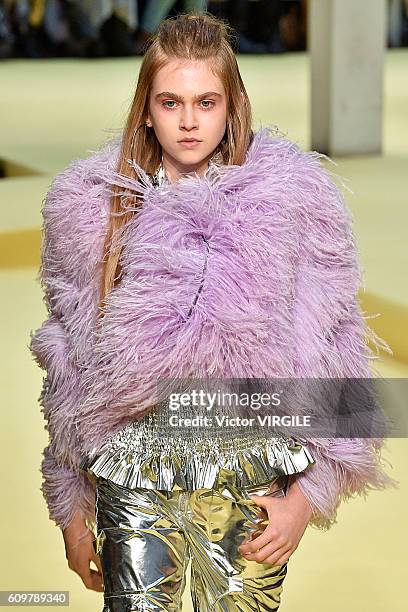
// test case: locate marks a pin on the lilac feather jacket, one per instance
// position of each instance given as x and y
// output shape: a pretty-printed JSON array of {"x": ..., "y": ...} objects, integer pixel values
[{"x": 270, "y": 249}]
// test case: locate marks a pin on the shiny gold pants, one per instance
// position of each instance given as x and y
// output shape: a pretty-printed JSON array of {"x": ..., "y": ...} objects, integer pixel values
[{"x": 145, "y": 539}]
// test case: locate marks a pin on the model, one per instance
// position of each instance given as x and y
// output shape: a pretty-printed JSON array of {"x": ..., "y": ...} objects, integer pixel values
[{"x": 190, "y": 248}]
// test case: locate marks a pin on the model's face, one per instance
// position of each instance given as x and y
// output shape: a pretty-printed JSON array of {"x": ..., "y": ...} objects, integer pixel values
[{"x": 187, "y": 100}]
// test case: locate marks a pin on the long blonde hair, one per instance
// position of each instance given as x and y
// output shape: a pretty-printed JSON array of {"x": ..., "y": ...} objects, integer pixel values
[{"x": 194, "y": 36}]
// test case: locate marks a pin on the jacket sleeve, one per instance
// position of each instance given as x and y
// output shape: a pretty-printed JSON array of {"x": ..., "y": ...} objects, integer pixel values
[
  {"x": 331, "y": 336},
  {"x": 54, "y": 346}
]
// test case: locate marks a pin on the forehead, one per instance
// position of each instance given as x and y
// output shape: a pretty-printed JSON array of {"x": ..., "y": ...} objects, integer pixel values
[{"x": 187, "y": 77}]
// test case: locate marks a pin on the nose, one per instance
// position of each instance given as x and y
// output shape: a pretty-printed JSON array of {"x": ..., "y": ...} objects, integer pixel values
[{"x": 188, "y": 119}]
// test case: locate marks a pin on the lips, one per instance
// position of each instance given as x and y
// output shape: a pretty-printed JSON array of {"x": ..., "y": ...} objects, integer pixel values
[
  {"x": 190, "y": 144},
  {"x": 190, "y": 140}
]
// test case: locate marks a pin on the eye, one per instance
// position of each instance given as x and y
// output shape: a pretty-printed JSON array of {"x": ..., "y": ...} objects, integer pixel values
[
  {"x": 167, "y": 101},
  {"x": 212, "y": 103}
]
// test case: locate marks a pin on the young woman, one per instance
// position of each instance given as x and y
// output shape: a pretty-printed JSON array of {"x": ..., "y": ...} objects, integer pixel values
[{"x": 228, "y": 258}]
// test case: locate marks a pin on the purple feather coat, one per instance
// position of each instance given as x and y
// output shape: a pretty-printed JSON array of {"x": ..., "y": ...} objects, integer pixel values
[{"x": 270, "y": 250}]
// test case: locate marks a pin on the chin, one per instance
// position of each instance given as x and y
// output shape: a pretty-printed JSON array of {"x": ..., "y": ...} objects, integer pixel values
[{"x": 190, "y": 158}]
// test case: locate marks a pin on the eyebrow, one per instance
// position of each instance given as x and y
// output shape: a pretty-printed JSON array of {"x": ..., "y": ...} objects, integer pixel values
[{"x": 170, "y": 94}]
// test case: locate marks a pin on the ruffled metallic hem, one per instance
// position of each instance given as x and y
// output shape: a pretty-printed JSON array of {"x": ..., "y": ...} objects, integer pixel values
[{"x": 188, "y": 464}]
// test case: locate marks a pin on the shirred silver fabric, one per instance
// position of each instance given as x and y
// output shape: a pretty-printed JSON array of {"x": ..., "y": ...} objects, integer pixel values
[{"x": 148, "y": 454}]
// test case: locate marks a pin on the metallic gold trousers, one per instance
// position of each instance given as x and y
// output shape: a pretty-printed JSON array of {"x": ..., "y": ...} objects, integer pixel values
[{"x": 145, "y": 539}]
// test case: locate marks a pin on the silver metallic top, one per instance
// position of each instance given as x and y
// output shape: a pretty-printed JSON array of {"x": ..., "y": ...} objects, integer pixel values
[{"x": 150, "y": 453}]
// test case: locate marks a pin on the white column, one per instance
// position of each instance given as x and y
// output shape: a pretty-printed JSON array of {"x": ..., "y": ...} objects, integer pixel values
[{"x": 347, "y": 43}]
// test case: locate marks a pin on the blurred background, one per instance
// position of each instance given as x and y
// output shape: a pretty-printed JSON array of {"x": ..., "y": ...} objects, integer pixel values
[
  {"x": 102, "y": 28},
  {"x": 333, "y": 76}
]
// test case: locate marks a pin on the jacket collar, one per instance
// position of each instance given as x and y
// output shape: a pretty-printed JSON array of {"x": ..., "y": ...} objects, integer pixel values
[{"x": 268, "y": 150}]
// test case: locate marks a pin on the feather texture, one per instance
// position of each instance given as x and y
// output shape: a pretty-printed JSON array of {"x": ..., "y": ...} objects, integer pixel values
[{"x": 251, "y": 274}]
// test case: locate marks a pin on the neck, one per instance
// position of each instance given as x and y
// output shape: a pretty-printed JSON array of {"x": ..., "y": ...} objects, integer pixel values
[{"x": 176, "y": 171}]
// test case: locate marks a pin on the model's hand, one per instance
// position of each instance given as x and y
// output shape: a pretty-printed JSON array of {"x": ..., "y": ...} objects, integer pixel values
[
  {"x": 80, "y": 552},
  {"x": 288, "y": 518}
]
